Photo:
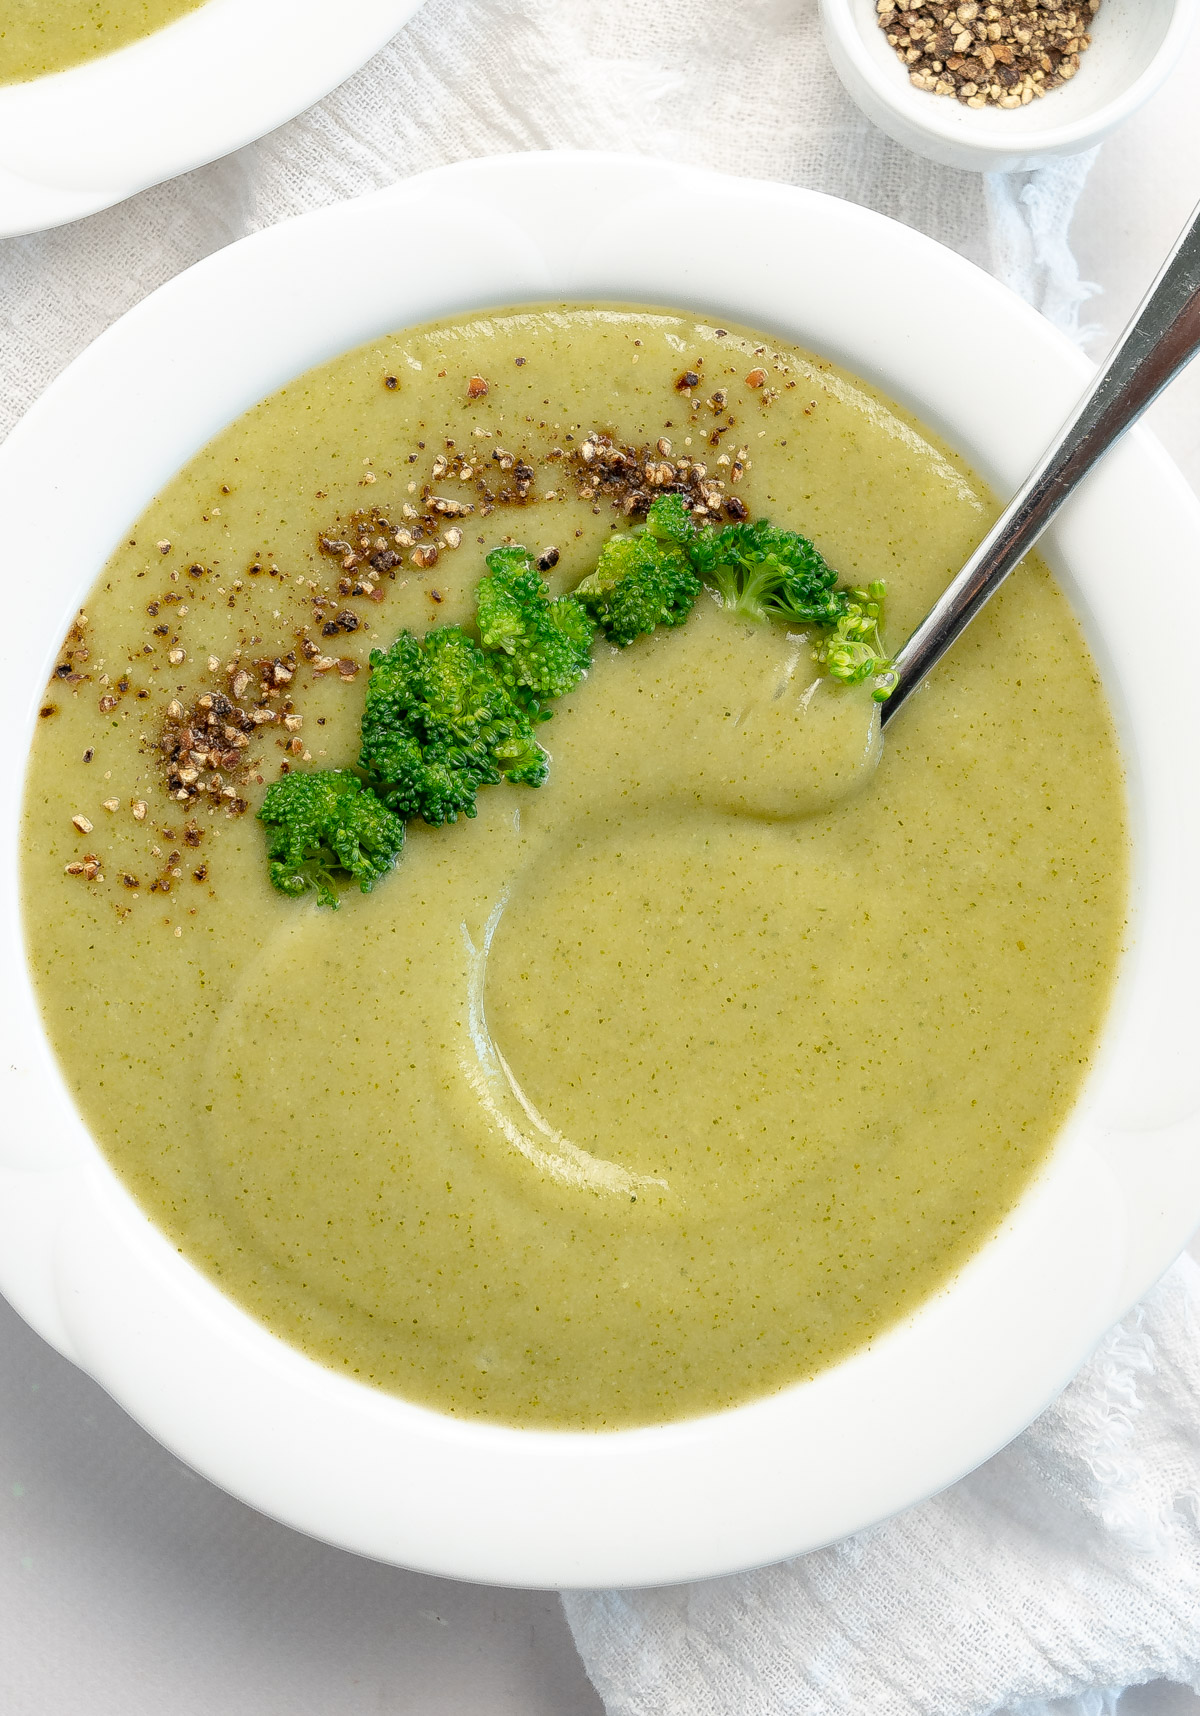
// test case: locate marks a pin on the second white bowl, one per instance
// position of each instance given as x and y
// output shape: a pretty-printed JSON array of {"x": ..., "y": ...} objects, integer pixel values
[{"x": 80, "y": 140}]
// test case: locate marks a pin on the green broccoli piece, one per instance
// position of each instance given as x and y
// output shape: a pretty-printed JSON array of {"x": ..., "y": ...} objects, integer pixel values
[
  {"x": 769, "y": 573},
  {"x": 439, "y": 723},
  {"x": 543, "y": 645},
  {"x": 853, "y": 651},
  {"x": 773, "y": 574},
  {"x": 645, "y": 579},
  {"x": 323, "y": 825},
  {"x": 670, "y": 520}
]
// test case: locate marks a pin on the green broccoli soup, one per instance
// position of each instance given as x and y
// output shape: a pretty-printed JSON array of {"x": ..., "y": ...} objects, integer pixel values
[
  {"x": 597, "y": 1070},
  {"x": 40, "y": 36}
]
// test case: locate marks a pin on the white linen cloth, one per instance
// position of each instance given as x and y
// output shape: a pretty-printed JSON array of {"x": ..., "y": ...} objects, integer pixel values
[{"x": 1070, "y": 1565}]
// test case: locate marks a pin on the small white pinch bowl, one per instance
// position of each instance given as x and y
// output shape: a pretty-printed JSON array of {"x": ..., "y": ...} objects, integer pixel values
[
  {"x": 1135, "y": 44},
  {"x": 1118, "y": 1197},
  {"x": 80, "y": 140}
]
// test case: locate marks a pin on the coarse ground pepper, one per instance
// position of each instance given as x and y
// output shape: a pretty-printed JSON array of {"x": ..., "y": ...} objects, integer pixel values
[{"x": 1001, "y": 55}]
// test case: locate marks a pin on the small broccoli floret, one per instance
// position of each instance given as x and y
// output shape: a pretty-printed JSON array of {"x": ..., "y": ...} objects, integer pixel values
[
  {"x": 853, "y": 651},
  {"x": 439, "y": 723},
  {"x": 670, "y": 520},
  {"x": 768, "y": 573},
  {"x": 543, "y": 645},
  {"x": 642, "y": 580},
  {"x": 323, "y": 825}
]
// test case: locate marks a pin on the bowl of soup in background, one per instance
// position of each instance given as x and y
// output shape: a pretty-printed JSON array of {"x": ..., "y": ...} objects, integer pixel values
[
  {"x": 1120, "y": 1193},
  {"x": 211, "y": 79}
]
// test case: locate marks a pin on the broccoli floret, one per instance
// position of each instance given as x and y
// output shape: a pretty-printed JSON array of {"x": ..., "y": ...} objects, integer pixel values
[
  {"x": 323, "y": 825},
  {"x": 439, "y": 723},
  {"x": 670, "y": 520},
  {"x": 543, "y": 645},
  {"x": 768, "y": 573},
  {"x": 645, "y": 579},
  {"x": 853, "y": 651}
]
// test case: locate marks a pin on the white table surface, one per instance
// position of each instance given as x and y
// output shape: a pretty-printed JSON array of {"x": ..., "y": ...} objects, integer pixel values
[{"x": 130, "y": 1587}]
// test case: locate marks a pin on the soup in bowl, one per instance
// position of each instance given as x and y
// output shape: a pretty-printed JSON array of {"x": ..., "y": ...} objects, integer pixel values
[{"x": 668, "y": 1160}]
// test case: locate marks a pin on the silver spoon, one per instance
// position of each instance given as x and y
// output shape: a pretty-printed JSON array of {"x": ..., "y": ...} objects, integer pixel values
[{"x": 1159, "y": 341}]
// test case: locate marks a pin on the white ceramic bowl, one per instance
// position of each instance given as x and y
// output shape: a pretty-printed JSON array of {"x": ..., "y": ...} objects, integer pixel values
[
  {"x": 1135, "y": 43},
  {"x": 82, "y": 139},
  {"x": 1121, "y": 1192}
]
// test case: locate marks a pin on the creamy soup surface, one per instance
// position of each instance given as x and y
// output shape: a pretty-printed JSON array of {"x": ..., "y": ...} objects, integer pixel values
[
  {"x": 651, "y": 1090},
  {"x": 40, "y": 36}
]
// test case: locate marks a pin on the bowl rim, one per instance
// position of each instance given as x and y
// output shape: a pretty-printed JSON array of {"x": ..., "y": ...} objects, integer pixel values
[
  {"x": 1120, "y": 1194},
  {"x": 944, "y": 123},
  {"x": 79, "y": 140}
]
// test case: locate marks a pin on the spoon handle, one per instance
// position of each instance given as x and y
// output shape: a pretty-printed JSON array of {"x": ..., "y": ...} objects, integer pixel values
[{"x": 1159, "y": 341}]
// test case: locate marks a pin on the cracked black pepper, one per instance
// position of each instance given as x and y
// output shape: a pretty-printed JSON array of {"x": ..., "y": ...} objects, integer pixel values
[{"x": 1004, "y": 55}]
